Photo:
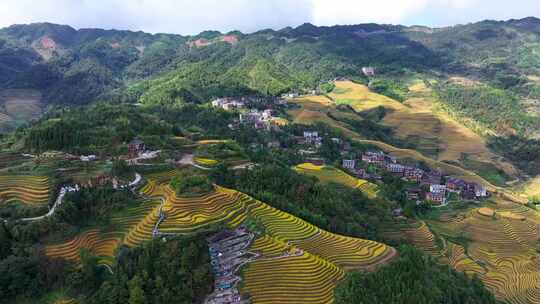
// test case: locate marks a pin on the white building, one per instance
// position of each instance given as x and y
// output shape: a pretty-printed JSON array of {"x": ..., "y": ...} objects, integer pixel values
[
  {"x": 349, "y": 163},
  {"x": 480, "y": 191},
  {"x": 87, "y": 158},
  {"x": 311, "y": 134},
  {"x": 434, "y": 188},
  {"x": 395, "y": 168},
  {"x": 368, "y": 71},
  {"x": 253, "y": 116},
  {"x": 267, "y": 114},
  {"x": 227, "y": 103}
]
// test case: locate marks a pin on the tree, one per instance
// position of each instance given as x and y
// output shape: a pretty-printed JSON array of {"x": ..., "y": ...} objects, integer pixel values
[{"x": 136, "y": 292}]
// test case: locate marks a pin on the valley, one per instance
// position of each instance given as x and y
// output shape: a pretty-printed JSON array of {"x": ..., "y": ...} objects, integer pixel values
[{"x": 317, "y": 164}]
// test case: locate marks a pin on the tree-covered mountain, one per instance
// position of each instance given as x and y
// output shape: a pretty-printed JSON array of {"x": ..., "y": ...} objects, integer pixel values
[
  {"x": 498, "y": 60},
  {"x": 79, "y": 66}
]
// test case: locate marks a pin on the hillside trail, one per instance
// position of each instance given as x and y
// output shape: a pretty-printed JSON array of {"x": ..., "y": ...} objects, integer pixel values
[
  {"x": 67, "y": 189},
  {"x": 187, "y": 159}
]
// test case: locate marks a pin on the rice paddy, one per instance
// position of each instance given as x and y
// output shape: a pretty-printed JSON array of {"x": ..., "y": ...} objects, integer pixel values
[
  {"x": 298, "y": 261},
  {"x": 202, "y": 161},
  {"x": 25, "y": 189},
  {"x": 500, "y": 244},
  {"x": 418, "y": 120},
  {"x": 328, "y": 174}
]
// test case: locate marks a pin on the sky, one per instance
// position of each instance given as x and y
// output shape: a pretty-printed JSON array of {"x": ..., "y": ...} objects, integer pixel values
[{"x": 194, "y": 16}]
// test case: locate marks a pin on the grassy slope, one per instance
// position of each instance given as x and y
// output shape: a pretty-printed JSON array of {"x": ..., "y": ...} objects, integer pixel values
[
  {"x": 315, "y": 109},
  {"x": 439, "y": 135},
  {"x": 18, "y": 107}
]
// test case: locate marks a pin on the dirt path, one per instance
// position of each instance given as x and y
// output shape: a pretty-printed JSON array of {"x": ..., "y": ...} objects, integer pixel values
[
  {"x": 187, "y": 159},
  {"x": 65, "y": 190}
]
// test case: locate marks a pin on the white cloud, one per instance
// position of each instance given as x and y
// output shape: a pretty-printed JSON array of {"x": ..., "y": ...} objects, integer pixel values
[
  {"x": 193, "y": 16},
  {"x": 358, "y": 11}
]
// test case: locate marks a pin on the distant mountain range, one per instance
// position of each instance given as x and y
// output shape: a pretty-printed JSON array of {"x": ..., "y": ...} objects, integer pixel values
[{"x": 79, "y": 66}]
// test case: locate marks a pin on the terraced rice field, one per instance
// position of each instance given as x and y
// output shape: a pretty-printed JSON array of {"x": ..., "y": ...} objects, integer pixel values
[
  {"x": 202, "y": 161},
  {"x": 328, "y": 174},
  {"x": 300, "y": 255},
  {"x": 131, "y": 228},
  {"x": 305, "y": 278},
  {"x": 417, "y": 120},
  {"x": 500, "y": 244},
  {"x": 360, "y": 98},
  {"x": 531, "y": 188},
  {"x": 30, "y": 190},
  {"x": 299, "y": 262}
]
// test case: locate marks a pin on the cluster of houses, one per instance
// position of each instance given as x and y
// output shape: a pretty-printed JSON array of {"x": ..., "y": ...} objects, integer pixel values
[
  {"x": 431, "y": 186},
  {"x": 258, "y": 119},
  {"x": 229, "y": 103},
  {"x": 228, "y": 252}
]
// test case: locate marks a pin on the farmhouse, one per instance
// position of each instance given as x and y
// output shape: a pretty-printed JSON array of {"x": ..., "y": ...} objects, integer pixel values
[
  {"x": 313, "y": 138},
  {"x": 373, "y": 157},
  {"x": 413, "y": 193},
  {"x": 267, "y": 114},
  {"x": 87, "y": 158},
  {"x": 290, "y": 95},
  {"x": 368, "y": 71},
  {"x": 273, "y": 144},
  {"x": 435, "y": 197},
  {"x": 435, "y": 188},
  {"x": 413, "y": 174},
  {"x": 136, "y": 147},
  {"x": 395, "y": 168},
  {"x": 431, "y": 178},
  {"x": 311, "y": 134},
  {"x": 349, "y": 163},
  {"x": 361, "y": 173},
  {"x": 455, "y": 184},
  {"x": 227, "y": 103},
  {"x": 252, "y": 116}
]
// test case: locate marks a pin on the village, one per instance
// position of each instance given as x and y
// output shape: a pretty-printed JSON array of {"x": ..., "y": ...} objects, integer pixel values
[
  {"x": 250, "y": 113},
  {"x": 228, "y": 253},
  {"x": 432, "y": 186}
]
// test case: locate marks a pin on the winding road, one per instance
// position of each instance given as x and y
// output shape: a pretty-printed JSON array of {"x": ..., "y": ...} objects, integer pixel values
[{"x": 65, "y": 190}]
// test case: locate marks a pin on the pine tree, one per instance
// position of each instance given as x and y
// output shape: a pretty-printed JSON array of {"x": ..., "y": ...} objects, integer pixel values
[{"x": 136, "y": 292}]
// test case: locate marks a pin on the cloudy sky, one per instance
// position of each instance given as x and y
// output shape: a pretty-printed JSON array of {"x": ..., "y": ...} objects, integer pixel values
[{"x": 194, "y": 16}]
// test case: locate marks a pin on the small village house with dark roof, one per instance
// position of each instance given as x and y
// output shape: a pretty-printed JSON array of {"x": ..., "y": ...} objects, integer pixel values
[
  {"x": 413, "y": 193},
  {"x": 431, "y": 178},
  {"x": 396, "y": 169},
  {"x": 413, "y": 174},
  {"x": 435, "y": 197},
  {"x": 136, "y": 147},
  {"x": 455, "y": 184},
  {"x": 315, "y": 161},
  {"x": 373, "y": 157}
]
